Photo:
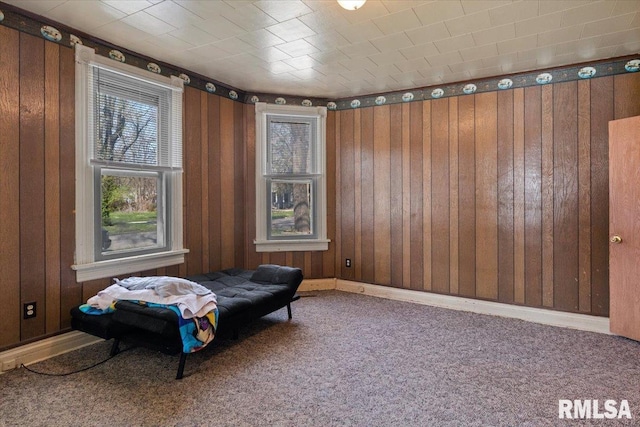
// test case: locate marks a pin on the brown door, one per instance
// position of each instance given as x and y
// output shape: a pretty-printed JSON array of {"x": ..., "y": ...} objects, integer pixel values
[{"x": 624, "y": 227}]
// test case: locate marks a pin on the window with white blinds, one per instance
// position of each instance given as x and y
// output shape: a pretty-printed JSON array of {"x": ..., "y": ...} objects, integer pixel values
[{"x": 129, "y": 168}]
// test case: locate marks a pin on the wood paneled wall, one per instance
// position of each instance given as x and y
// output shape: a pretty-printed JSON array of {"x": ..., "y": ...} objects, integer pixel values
[{"x": 500, "y": 196}]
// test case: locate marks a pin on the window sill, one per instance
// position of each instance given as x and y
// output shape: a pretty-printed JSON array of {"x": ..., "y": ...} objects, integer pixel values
[
  {"x": 115, "y": 267},
  {"x": 291, "y": 245}
]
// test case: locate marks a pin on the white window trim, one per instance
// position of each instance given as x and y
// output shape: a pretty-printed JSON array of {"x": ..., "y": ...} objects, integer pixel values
[
  {"x": 85, "y": 265},
  {"x": 263, "y": 244}
]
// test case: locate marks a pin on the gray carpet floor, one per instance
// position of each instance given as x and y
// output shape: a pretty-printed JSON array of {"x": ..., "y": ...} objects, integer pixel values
[{"x": 344, "y": 360}]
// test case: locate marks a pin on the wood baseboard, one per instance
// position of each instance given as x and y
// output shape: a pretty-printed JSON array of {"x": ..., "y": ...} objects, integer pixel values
[
  {"x": 317, "y": 285},
  {"x": 44, "y": 349},
  {"x": 563, "y": 319}
]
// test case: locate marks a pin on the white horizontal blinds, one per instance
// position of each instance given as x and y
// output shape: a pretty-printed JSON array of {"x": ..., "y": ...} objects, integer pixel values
[{"x": 133, "y": 122}]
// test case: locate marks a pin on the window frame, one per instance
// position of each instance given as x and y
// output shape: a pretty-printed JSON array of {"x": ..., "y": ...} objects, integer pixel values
[
  {"x": 263, "y": 241},
  {"x": 87, "y": 264}
]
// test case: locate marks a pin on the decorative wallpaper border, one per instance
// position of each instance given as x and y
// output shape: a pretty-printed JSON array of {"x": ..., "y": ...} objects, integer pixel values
[{"x": 58, "y": 33}]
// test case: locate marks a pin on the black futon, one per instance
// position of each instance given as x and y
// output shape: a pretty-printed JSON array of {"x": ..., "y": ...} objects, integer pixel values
[{"x": 242, "y": 296}]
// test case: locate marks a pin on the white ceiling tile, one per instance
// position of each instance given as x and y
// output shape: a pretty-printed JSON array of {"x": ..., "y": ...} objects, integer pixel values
[
  {"x": 589, "y": 12},
  {"x": 119, "y": 33},
  {"x": 38, "y": 7},
  {"x": 127, "y": 6},
  {"x": 372, "y": 9},
  {"x": 551, "y": 6},
  {"x": 386, "y": 58},
  {"x": 302, "y": 62},
  {"x": 412, "y": 65},
  {"x": 208, "y": 51},
  {"x": 278, "y": 67},
  {"x": 543, "y": 55},
  {"x": 444, "y": 59},
  {"x": 455, "y": 43},
  {"x": 220, "y": 27},
  {"x": 205, "y": 9},
  {"x": 428, "y": 81},
  {"x": 170, "y": 42},
  {"x": 479, "y": 52},
  {"x": 469, "y": 23},
  {"x": 193, "y": 35},
  {"x": 328, "y": 57},
  {"x": 539, "y": 24},
  {"x": 86, "y": 15},
  {"x": 514, "y": 67},
  {"x": 420, "y": 51},
  {"x": 271, "y": 54},
  {"x": 261, "y": 38},
  {"x": 495, "y": 34},
  {"x": 552, "y": 37},
  {"x": 327, "y": 41},
  {"x": 174, "y": 14},
  {"x": 361, "y": 49},
  {"x": 520, "y": 43},
  {"x": 358, "y": 64},
  {"x": 586, "y": 47},
  {"x": 384, "y": 70},
  {"x": 304, "y": 74},
  {"x": 396, "y": 22},
  {"x": 399, "y": 5},
  {"x": 284, "y": 10},
  {"x": 500, "y": 60},
  {"x": 620, "y": 37},
  {"x": 148, "y": 23},
  {"x": 466, "y": 66},
  {"x": 249, "y": 18},
  {"x": 428, "y": 33},
  {"x": 297, "y": 48},
  {"x": 433, "y": 12},
  {"x": 626, "y": 6},
  {"x": 234, "y": 45},
  {"x": 609, "y": 25},
  {"x": 517, "y": 11},
  {"x": 291, "y": 30},
  {"x": 391, "y": 43},
  {"x": 323, "y": 20},
  {"x": 360, "y": 32},
  {"x": 473, "y": 6}
]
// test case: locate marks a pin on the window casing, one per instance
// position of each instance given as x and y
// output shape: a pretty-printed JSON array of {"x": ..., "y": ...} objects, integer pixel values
[
  {"x": 128, "y": 168},
  {"x": 290, "y": 178}
]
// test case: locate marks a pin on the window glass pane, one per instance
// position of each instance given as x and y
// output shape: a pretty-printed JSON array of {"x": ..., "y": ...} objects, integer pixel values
[
  {"x": 129, "y": 211},
  {"x": 291, "y": 209},
  {"x": 126, "y": 130},
  {"x": 289, "y": 147}
]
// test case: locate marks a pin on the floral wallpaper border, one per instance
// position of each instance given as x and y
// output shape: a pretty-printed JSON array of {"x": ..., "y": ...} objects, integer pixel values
[{"x": 58, "y": 33}]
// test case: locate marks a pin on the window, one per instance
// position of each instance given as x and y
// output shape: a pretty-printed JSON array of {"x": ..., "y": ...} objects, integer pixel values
[
  {"x": 128, "y": 168},
  {"x": 290, "y": 178}
]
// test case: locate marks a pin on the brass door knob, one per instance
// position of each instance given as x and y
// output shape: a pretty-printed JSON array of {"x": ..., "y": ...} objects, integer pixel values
[{"x": 615, "y": 239}]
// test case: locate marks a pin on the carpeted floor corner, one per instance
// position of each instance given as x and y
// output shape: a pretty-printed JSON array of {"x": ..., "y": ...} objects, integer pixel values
[{"x": 344, "y": 360}]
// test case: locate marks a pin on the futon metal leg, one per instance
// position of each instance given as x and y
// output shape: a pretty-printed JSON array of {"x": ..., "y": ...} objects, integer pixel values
[
  {"x": 289, "y": 311},
  {"x": 115, "y": 347},
  {"x": 183, "y": 358}
]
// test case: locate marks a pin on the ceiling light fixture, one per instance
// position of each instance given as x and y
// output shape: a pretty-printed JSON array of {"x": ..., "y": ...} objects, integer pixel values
[{"x": 351, "y": 4}]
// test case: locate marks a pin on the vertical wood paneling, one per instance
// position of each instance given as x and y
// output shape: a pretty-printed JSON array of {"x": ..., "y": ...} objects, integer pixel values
[
  {"x": 467, "y": 195},
  {"x": 426, "y": 194},
  {"x": 602, "y": 111},
  {"x": 454, "y": 199},
  {"x": 70, "y": 292},
  {"x": 487, "y": 195},
  {"x": 9, "y": 186},
  {"x": 396, "y": 195},
  {"x": 584, "y": 198},
  {"x": 406, "y": 196},
  {"x": 32, "y": 235},
  {"x": 204, "y": 178},
  {"x": 416, "y": 176},
  {"x": 347, "y": 190},
  {"x": 227, "y": 186},
  {"x": 505, "y": 197},
  {"x": 215, "y": 187},
  {"x": 626, "y": 93},
  {"x": 193, "y": 180},
  {"x": 357, "y": 194},
  {"x": 440, "y": 195},
  {"x": 328, "y": 257},
  {"x": 340, "y": 121},
  {"x": 382, "y": 190},
  {"x": 52, "y": 187},
  {"x": 565, "y": 175},
  {"x": 533, "y": 195},
  {"x": 239, "y": 185},
  {"x": 518, "y": 197},
  {"x": 547, "y": 196},
  {"x": 367, "y": 172}
]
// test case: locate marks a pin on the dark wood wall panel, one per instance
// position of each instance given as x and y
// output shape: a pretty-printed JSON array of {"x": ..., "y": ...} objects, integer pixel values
[
  {"x": 9, "y": 186},
  {"x": 500, "y": 196},
  {"x": 347, "y": 189}
]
